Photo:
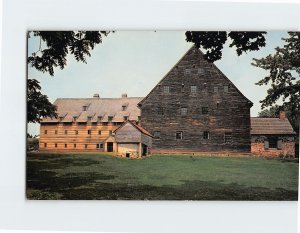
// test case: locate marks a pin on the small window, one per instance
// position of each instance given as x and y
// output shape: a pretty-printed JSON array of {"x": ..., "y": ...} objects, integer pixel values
[
  {"x": 124, "y": 108},
  {"x": 187, "y": 72},
  {"x": 139, "y": 118},
  {"x": 85, "y": 146},
  {"x": 61, "y": 118},
  {"x": 193, "y": 89},
  {"x": 160, "y": 111},
  {"x": 55, "y": 131},
  {"x": 74, "y": 118},
  {"x": 76, "y": 132},
  {"x": 166, "y": 89},
  {"x": 226, "y": 89},
  {"x": 89, "y": 118},
  {"x": 216, "y": 89},
  {"x": 110, "y": 118},
  {"x": 66, "y": 131},
  {"x": 46, "y": 131},
  {"x": 183, "y": 111},
  {"x": 55, "y": 145},
  {"x": 84, "y": 108},
  {"x": 110, "y": 132},
  {"x": 205, "y": 110},
  {"x": 205, "y": 135},
  {"x": 101, "y": 145},
  {"x": 66, "y": 145},
  {"x": 156, "y": 134},
  {"x": 45, "y": 145},
  {"x": 179, "y": 135},
  {"x": 273, "y": 142},
  {"x": 125, "y": 118},
  {"x": 200, "y": 71},
  {"x": 89, "y": 131},
  {"x": 97, "y": 146},
  {"x": 99, "y": 118},
  {"x": 228, "y": 138},
  {"x": 99, "y": 132},
  {"x": 74, "y": 145}
]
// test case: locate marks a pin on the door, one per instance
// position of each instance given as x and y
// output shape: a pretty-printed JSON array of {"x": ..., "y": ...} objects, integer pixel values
[{"x": 110, "y": 147}]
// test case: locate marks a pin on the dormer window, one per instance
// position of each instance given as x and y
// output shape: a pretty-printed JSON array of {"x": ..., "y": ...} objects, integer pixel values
[
  {"x": 89, "y": 118},
  {"x": 124, "y": 106},
  {"x": 74, "y": 118},
  {"x": 99, "y": 118},
  {"x": 110, "y": 118},
  {"x": 125, "y": 118},
  {"x": 61, "y": 118},
  {"x": 84, "y": 108}
]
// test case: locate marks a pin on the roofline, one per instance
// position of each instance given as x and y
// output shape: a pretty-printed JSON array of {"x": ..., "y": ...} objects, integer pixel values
[
  {"x": 132, "y": 125},
  {"x": 192, "y": 47}
]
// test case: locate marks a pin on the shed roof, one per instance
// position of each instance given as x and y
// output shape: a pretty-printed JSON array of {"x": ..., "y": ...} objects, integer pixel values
[
  {"x": 271, "y": 126},
  {"x": 104, "y": 107}
]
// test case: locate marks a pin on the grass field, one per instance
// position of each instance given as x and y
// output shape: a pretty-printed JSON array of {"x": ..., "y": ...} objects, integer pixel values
[{"x": 160, "y": 177}]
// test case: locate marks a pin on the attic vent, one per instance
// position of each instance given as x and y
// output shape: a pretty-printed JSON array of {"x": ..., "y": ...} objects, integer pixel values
[
  {"x": 124, "y": 95},
  {"x": 96, "y": 96}
]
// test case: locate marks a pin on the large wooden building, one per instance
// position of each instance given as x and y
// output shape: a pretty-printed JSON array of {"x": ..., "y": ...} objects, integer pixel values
[
  {"x": 195, "y": 107},
  {"x": 87, "y": 124}
]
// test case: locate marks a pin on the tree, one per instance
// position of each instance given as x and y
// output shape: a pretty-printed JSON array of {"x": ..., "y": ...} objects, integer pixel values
[
  {"x": 57, "y": 46},
  {"x": 38, "y": 105},
  {"x": 284, "y": 77},
  {"x": 213, "y": 42},
  {"x": 272, "y": 112}
]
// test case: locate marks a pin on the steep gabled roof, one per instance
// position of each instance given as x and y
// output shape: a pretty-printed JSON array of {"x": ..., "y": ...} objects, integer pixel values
[
  {"x": 97, "y": 107},
  {"x": 269, "y": 126},
  {"x": 138, "y": 127},
  {"x": 187, "y": 52}
]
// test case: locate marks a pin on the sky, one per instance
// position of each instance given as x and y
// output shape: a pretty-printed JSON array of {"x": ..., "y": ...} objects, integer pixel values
[{"x": 133, "y": 62}]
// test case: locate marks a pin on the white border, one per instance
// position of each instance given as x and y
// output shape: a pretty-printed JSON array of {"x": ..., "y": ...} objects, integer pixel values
[{"x": 134, "y": 216}]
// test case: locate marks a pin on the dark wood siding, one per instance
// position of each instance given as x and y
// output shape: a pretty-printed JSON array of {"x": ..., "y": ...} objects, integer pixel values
[{"x": 228, "y": 110}]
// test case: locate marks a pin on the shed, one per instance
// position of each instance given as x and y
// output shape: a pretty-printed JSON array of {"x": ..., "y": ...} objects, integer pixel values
[
  {"x": 132, "y": 140},
  {"x": 272, "y": 136}
]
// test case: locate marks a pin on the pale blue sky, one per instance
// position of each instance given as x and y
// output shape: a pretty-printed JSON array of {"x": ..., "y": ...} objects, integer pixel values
[{"x": 133, "y": 62}]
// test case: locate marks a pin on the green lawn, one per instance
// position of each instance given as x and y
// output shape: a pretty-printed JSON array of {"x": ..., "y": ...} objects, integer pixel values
[{"x": 160, "y": 177}]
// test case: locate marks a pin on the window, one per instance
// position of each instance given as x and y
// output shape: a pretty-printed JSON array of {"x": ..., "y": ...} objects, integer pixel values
[
  {"x": 273, "y": 142},
  {"x": 160, "y": 111},
  {"x": 179, "y": 135},
  {"x": 216, "y": 89},
  {"x": 110, "y": 118},
  {"x": 124, "y": 107},
  {"x": 74, "y": 118},
  {"x": 46, "y": 131},
  {"x": 74, "y": 145},
  {"x": 66, "y": 145},
  {"x": 84, "y": 108},
  {"x": 218, "y": 104},
  {"x": 76, "y": 132},
  {"x": 166, "y": 89},
  {"x": 228, "y": 138},
  {"x": 55, "y": 145},
  {"x": 183, "y": 111},
  {"x": 61, "y": 118},
  {"x": 125, "y": 118},
  {"x": 139, "y": 118},
  {"x": 45, "y": 145},
  {"x": 99, "y": 146},
  {"x": 55, "y": 131},
  {"x": 156, "y": 134},
  {"x": 66, "y": 131},
  {"x": 187, "y": 72},
  {"x": 89, "y": 118},
  {"x": 226, "y": 89},
  {"x": 89, "y": 131},
  {"x": 205, "y": 135},
  {"x": 193, "y": 89},
  {"x": 204, "y": 110},
  {"x": 200, "y": 71},
  {"x": 85, "y": 146},
  {"x": 110, "y": 132},
  {"x": 99, "y": 132}
]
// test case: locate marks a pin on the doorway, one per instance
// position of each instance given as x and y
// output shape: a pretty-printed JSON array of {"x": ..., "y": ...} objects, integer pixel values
[
  {"x": 110, "y": 147},
  {"x": 144, "y": 150}
]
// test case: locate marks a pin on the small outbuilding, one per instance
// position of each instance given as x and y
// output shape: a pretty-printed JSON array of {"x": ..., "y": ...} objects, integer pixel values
[
  {"x": 132, "y": 140},
  {"x": 272, "y": 137}
]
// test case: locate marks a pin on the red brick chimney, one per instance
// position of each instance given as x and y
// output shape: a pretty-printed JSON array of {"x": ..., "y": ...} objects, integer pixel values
[{"x": 282, "y": 115}]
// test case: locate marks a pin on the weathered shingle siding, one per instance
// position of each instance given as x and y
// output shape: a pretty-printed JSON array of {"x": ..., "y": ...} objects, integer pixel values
[{"x": 227, "y": 112}]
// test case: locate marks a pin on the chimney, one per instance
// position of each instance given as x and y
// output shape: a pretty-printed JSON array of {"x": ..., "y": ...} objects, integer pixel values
[
  {"x": 282, "y": 115},
  {"x": 97, "y": 96},
  {"x": 124, "y": 95}
]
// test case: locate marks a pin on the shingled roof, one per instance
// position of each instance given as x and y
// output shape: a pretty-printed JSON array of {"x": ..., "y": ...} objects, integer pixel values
[
  {"x": 68, "y": 108},
  {"x": 270, "y": 126}
]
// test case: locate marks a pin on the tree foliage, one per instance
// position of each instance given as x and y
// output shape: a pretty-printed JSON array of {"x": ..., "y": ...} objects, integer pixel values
[
  {"x": 54, "y": 54},
  {"x": 283, "y": 77},
  {"x": 38, "y": 105},
  {"x": 213, "y": 42}
]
